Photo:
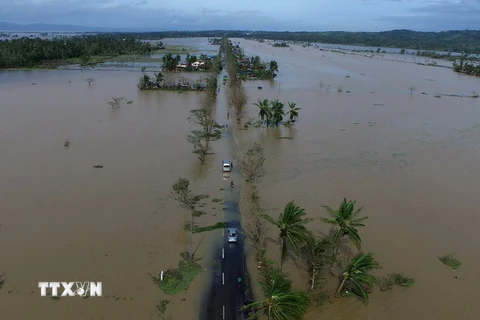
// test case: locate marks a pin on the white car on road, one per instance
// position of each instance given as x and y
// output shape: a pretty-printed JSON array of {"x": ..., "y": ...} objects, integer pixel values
[
  {"x": 227, "y": 166},
  {"x": 232, "y": 235}
]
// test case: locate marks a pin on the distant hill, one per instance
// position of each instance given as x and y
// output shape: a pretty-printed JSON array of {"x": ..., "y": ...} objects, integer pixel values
[{"x": 43, "y": 27}]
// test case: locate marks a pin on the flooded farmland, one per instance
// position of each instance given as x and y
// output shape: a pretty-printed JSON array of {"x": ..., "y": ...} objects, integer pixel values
[{"x": 411, "y": 158}]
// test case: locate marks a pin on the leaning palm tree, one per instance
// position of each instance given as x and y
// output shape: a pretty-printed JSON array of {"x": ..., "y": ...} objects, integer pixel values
[
  {"x": 346, "y": 219},
  {"x": 281, "y": 302},
  {"x": 291, "y": 223},
  {"x": 293, "y": 112},
  {"x": 356, "y": 277},
  {"x": 158, "y": 77},
  {"x": 273, "y": 67}
]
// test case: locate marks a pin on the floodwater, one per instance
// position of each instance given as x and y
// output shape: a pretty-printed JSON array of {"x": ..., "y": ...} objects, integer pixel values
[
  {"x": 63, "y": 220},
  {"x": 411, "y": 160}
]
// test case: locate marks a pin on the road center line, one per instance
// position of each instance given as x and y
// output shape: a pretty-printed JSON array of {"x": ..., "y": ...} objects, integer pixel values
[
  {"x": 223, "y": 278},
  {"x": 223, "y": 253},
  {"x": 223, "y": 311}
]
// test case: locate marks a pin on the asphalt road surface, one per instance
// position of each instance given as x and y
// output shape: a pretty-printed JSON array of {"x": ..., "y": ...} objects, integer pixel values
[{"x": 226, "y": 296}]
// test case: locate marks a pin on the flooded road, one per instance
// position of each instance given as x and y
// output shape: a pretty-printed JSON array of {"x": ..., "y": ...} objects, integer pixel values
[
  {"x": 226, "y": 295},
  {"x": 411, "y": 160}
]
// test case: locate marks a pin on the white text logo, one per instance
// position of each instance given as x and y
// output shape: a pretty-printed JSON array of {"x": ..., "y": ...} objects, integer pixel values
[{"x": 71, "y": 289}]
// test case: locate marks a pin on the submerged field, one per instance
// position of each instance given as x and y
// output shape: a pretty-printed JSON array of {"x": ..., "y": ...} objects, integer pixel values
[{"x": 409, "y": 157}]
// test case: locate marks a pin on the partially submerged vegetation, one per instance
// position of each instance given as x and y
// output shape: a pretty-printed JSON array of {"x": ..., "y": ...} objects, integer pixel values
[
  {"x": 467, "y": 68},
  {"x": 448, "y": 41},
  {"x": 323, "y": 255},
  {"x": 200, "y": 229},
  {"x": 157, "y": 82},
  {"x": 86, "y": 49},
  {"x": 2, "y": 280},
  {"x": 272, "y": 114},
  {"x": 178, "y": 279},
  {"x": 237, "y": 97},
  {"x": 182, "y": 193},
  {"x": 451, "y": 261},
  {"x": 242, "y": 67},
  {"x": 207, "y": 128},
  {"x": 192, "y": 63}
]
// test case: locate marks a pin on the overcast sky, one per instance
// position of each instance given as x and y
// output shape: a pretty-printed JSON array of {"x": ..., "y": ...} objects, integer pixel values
[{"x": 277, "y": 15}]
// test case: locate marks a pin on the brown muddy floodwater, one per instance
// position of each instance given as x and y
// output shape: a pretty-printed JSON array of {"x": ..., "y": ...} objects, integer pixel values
[
  {"x": 63, "y": 220},
  {"x": 412, "y": 161}
]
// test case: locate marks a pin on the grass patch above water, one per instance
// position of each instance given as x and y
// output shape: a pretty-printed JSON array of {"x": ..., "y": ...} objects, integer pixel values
[
  {"x": 162, "y": 306},
  {"x": 451, "y": 261},
  {"x": 399, "y": 279},
  {"x": 179, "y": 279},
  {"x": 134, "y": 58},
  {"x": 199, "y": 229},
  {"x": 177, "y": 49}
]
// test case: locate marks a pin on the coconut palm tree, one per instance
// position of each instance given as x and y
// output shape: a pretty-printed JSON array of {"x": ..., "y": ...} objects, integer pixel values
[
  {"x": 273, "y": 67},
  {"x": 291, "y": 223},
  {"x": 356, "y": 277},
  {"x": 293, "y": 111},
  {"x": 158, "y": 77},
  {"x": 277, "y": 110},
  {"x": 281, "y": 302},
  {"x": 145, "y": 82},
  {"x": 346, "y": 220},
  {"x": 265, "y": 113}
]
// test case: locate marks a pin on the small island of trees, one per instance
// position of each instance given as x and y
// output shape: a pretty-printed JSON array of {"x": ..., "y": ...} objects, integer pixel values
[
  {"x": 192, "y": 63},
  {"x": 251, "y": 68},
  {"x": 466, "y": 68}
]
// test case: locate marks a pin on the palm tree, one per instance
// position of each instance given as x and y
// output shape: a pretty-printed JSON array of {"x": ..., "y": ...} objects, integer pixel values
[
  {"x": 265, "y": 113},
  {"x": 346, "y": 219},
  {"x": 291, "y": 223},
  {"x": 356, "y": 278},
  {"x": 277, "y": 110},
  {"x": 168, "y": 61},
  {"x": 158, "y": 77},
  {"x": 293, "y": 112},
  {"x": 273, "y": 67},
  {"x": 281, "y": 302},
  {"x": 145, "y": 82}
]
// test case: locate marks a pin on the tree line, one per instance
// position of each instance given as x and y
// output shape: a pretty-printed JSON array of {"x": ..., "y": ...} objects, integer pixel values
[
  {"x": 29, "y": 53},
  {"x": 467, "y": 41},
  {"x": 466, "y": 68}
]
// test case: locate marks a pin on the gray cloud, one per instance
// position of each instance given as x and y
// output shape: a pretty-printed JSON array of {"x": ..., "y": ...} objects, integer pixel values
[
  {"x": 351, "y": 15},
  {"x": 440, "y": 15},
  {"x": 131, "y": 15}
]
